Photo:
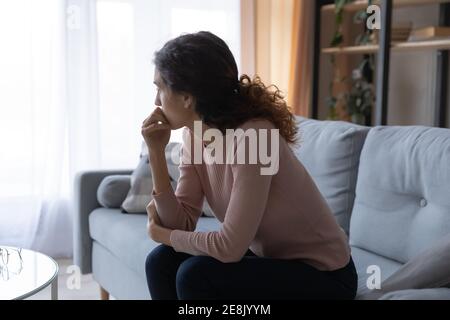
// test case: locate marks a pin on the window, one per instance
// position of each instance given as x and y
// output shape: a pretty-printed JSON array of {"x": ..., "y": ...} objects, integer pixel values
[
  {"x": 25, "y": 56},
  {"x": 129, "y": 32},
  {"x": 116, "y": 79},
  {"x": 32, "y": 62}
]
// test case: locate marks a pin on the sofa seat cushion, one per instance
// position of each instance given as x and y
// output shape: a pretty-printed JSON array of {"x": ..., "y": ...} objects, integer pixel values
[
  {"x": 418, "y": 294},
  {"x": 402, "y": 203},
  {"x": 125, "y": 235},
  {"x": 330, "y": 151},
  {"x": 363, "y": 259}
]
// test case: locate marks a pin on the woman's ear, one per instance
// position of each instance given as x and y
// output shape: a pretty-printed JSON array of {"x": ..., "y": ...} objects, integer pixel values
[{"x": 189, "y": 101}]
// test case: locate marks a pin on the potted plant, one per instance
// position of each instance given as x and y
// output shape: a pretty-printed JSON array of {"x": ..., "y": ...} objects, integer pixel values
[
  {"x": 360, "y": 99},
  {"x": 338, "y": 38}
]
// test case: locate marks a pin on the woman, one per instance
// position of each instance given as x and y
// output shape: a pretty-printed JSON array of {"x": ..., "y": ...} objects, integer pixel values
[{"x": 278, "y": 238}]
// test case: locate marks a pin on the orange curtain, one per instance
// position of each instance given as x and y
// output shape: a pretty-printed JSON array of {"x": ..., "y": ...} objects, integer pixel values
[
  {"x": 276, "y": 44},
  {"x": 300, "y": 77}
]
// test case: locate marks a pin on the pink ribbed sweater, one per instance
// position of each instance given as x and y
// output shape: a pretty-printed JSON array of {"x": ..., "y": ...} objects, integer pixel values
[{"x": 279, "y": 216}]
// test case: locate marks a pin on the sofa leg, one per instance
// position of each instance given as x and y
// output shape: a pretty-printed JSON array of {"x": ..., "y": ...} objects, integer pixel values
[{"x": 104, "y": 295}]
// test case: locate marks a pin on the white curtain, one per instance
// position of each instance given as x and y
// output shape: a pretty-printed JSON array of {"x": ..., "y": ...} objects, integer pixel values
[
  {"x": 49, "y": 105},
  {"x": 75, "y": 84}
]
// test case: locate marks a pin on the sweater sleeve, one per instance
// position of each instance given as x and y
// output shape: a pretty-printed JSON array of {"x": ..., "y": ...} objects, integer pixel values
[
  {"x": 247, "y": 205},
  {"x": 181, "y": 209}
]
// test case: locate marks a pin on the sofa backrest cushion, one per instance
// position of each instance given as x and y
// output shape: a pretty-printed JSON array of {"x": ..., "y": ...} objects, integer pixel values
[
  {"x": 402, "y": 203},
  {"x": 330, "y": 152},
  {"x": 140, "y": 193}
]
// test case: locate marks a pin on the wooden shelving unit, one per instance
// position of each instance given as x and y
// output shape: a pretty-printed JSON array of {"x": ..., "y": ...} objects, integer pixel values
[
  {"x": 384, "y": 49},
  {"x": 399, "y": 46},
  {"x": 361, "y": 4}
]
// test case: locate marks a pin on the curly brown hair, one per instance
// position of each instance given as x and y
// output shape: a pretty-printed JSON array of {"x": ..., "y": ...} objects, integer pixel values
[
  {"x": 265, "y": 102},
  {"x": 203, "y": 65}
]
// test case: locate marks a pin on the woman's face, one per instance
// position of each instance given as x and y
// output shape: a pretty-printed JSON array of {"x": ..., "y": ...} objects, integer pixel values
[{"x": 178, "y": 108}]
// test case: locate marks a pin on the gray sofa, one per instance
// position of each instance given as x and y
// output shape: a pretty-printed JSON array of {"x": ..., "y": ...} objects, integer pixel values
[{"x": 389, "y": 188}]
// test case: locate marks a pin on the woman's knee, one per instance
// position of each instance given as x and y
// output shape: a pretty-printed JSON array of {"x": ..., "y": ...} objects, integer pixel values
[
  {"x": 191, "y": 279},
  {"x": 158, "y": 258}
]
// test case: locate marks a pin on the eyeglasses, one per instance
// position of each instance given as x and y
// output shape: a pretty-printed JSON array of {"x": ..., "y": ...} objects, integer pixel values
[
  {"x": 11, "y": 262},
  {"x": 5, "y": 253}
]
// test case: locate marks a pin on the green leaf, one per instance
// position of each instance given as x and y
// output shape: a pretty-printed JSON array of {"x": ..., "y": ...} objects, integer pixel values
[
  {"x": 360, "y": 16},
  {"x": 338, "y": 38},
  {"x": 339, "y": 5}
]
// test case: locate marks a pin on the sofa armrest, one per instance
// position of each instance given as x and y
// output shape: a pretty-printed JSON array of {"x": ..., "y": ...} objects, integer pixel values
[{"x": 85, "y": 200}]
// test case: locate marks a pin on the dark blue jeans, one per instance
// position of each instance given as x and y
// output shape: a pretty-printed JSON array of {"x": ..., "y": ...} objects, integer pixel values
[{"x": 173, "y": 275}]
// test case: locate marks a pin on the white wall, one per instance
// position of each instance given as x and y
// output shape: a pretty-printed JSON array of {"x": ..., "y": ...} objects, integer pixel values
[{"x": 413, "y": 74}]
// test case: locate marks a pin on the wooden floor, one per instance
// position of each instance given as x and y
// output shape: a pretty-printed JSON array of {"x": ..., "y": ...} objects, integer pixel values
[{"x": 89, "y": 289}]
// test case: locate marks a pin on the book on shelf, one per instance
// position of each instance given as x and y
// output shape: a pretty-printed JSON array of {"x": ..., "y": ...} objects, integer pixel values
[
  {"x": 430, "y": 33},
  {"x": 400, "y": 32}
]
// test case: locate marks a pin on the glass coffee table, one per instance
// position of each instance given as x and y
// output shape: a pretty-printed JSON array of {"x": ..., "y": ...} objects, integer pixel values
[{"x": 24, "y": 272}]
